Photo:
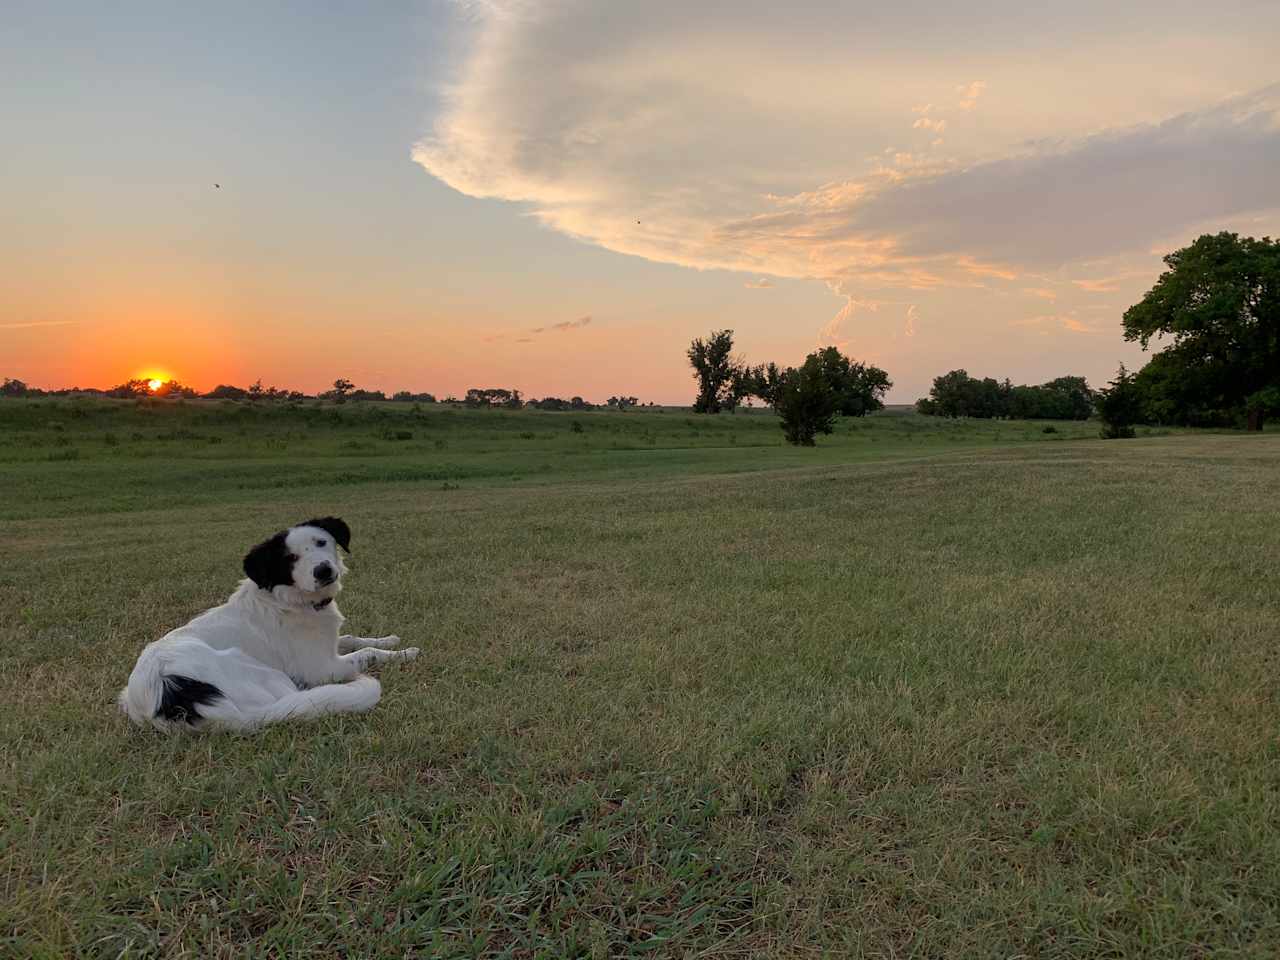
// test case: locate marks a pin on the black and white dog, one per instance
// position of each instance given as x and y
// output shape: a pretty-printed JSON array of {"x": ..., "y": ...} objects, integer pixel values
[{"x": 270, "y": 653}]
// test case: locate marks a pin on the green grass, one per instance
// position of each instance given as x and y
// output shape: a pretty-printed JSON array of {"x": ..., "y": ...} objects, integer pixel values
[
  {"x": 62, "y": 457},
  {"x": 932, "y": 689}
]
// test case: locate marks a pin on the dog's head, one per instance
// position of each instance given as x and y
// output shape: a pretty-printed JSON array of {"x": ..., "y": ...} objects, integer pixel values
[{"x": 304, "y": 557}]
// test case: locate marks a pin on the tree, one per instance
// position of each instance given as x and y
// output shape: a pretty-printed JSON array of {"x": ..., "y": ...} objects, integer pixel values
[
  {"x": 1070, "y": 398},
  {"x": 767, "y": 382},
  {"x": 550, "y": 403},
  {"x": 172, "y": 389},
  {"x": 1219, "y": 302},
  {"x": 342, "y": 388},
  {"x": 956, "y": 394},
  {"x": 713, "y": 368},
  {"x": 951, "y": 394},
  {"x": 1120, "y": 406},
  {"x": 493, "y": 397},
  {"x": 13, "y": 388},
  {"x": 859, "y": 388},
  {"x": 1261, "y": 405},
  {"x": 131, "y": 389},
  {"x": 225, "y": 391},
  {"x": 806, "y": 402}
]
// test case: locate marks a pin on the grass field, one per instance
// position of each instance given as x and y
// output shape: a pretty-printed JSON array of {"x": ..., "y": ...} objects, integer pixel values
[{"x": 933, "y": 689}]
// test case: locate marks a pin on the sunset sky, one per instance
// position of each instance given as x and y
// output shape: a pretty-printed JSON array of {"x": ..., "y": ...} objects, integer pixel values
[{"x": 557, "y": 195}]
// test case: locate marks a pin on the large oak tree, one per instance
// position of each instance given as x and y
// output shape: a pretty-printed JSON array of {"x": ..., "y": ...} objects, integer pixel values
[{"x": 1219, "y": 302}]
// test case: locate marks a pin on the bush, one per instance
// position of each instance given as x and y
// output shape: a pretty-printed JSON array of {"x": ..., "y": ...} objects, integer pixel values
[
  {"x": 806, "y": 403},
  {"x": 1120, "y": 406}
]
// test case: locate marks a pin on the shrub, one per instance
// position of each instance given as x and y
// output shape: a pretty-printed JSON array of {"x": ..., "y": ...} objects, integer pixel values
[
  {"x": 1120, "y": 406},
  {"x": 806, "y": 403}
]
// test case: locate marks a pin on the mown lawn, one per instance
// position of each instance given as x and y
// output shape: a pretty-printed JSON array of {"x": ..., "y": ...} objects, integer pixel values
[{"x": 910, "y": 696}]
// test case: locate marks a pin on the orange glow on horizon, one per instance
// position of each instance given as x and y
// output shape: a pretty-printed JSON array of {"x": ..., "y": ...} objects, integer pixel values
[{"x": 154, "y": 377}]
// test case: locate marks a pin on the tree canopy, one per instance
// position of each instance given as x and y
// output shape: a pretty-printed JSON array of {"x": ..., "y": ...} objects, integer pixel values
[
  {"x": 807, "y": 402},
  {"x": 956, "y": 394},
  {"x": 1219, "y": 304},
  {"x": 714, "y": 369}
]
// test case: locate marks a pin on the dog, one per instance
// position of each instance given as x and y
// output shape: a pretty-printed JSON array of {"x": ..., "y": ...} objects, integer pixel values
[{"x": 272, "y": 652}]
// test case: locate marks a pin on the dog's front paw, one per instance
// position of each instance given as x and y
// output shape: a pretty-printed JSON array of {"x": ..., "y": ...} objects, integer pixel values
[
  {"x": 408, "y": 653},
  {"x": 385, "y": 643}
]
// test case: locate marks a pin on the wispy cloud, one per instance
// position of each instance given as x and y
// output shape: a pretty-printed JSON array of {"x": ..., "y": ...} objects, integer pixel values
[
  {"x": 969, "y": 93},
  {"x": 762, "y": 284},
  {"x": 1066, "y": 321},
  {"x": 565, "y": 325},
  {"x": 529, "y": 335},
  {"x": 38, "y": 323},
  {"x": 1105, "y": 284}
]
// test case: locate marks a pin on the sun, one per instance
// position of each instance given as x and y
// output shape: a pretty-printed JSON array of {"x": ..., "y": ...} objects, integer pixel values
[{"x": 155, "y": 384}]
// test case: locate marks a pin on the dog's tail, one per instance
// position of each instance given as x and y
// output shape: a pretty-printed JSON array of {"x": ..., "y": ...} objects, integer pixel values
[
  {"x": 355, "y": 696},
  {"x": 142, "y": 696}
]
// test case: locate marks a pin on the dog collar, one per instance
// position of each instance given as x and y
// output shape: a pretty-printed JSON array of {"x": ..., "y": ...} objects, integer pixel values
[{"x": 323, "y": 603}]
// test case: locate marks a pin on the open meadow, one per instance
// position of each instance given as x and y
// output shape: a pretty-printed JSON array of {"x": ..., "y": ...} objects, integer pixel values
[{"x": 932, "y": 689}]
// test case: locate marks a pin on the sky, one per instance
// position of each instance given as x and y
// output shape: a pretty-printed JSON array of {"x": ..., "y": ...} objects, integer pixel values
[{"x": 558, "y": 195}]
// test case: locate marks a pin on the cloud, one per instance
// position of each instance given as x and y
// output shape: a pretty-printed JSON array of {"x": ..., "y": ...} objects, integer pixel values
[
  {"x": 660, "y": 131},
  {"x": 1043, "y": 292},
  {"x": 37, "y": 323},
  {"x": 913, "y": 316},
  {"x": 762, "y": 284},
  {"x": 566, "y": 325},
  {"x": 833, "y": 333},
  {"x": 1067, "y": 322},
  {"x": 1104, "y": 284},
  {"x": 969, "y": 93},
  {"x": 562, "y": 327},
  {"x": 1103, "y": 195}
]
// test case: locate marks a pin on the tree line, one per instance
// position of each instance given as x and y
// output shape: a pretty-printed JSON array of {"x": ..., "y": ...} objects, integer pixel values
[
  {"x": 956, "y": 394},
  {"x": 807, "y": 398},
  {"x": 343, "y": 390}
]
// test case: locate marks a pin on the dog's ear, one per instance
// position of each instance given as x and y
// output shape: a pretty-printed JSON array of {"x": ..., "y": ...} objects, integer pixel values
[
  {"x": 268, "y": 564},
  {"x": 335, "y": 527}
]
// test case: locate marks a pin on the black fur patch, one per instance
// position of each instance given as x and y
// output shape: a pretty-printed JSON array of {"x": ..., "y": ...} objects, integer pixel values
[
  {"x": 269, "y": 564},
  {"x": 335, "y": 527},
  {"x": 181, "y": 695}
]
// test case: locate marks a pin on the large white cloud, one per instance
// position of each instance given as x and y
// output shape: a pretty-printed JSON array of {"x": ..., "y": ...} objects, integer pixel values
[{"x": 910, "y": 145}]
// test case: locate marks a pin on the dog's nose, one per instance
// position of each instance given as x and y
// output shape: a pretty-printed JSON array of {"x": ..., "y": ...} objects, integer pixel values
[{"x": 323, "y": 573}]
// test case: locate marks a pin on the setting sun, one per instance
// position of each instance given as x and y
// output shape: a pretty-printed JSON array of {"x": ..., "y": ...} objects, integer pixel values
[{"x": 155, "y": 384}]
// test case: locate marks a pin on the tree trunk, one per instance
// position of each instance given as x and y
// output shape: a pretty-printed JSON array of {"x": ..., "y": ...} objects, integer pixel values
[{"x": 1254, "y": 421}]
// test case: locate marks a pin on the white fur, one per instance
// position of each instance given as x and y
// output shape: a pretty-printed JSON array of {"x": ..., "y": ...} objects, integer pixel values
[{"x": 274, "y": 654}]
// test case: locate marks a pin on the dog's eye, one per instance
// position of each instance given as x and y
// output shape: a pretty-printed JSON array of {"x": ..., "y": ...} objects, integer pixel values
[{"x": 321, "y": 543}]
